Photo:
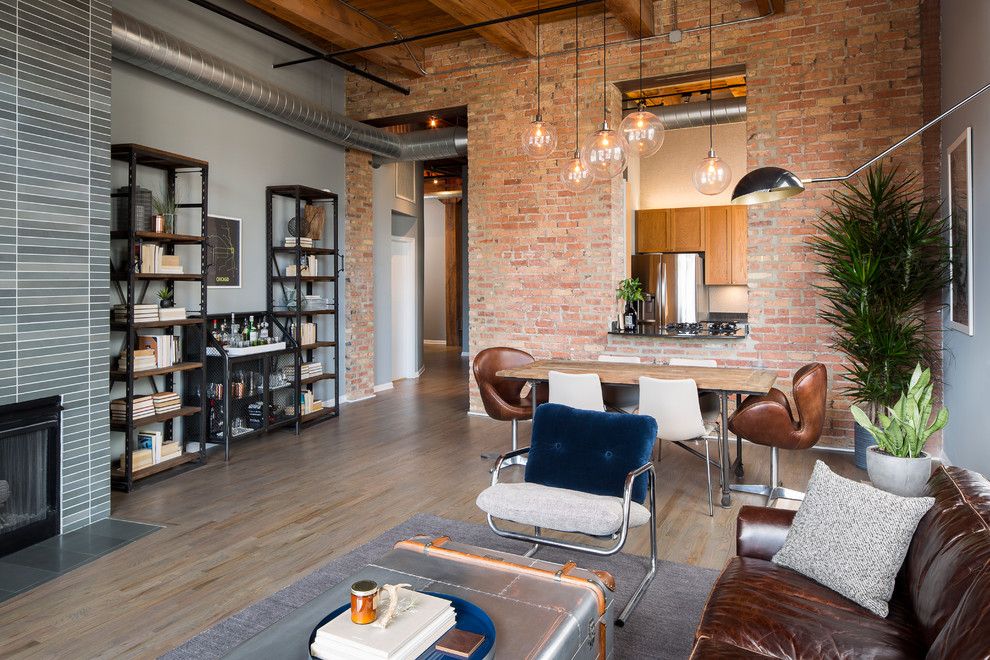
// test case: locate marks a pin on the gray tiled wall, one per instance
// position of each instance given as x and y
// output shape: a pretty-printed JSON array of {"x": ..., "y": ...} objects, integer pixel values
[{"x": 54, "y": 224}]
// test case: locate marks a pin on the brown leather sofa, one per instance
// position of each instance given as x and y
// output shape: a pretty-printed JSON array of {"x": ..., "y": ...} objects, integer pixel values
[{"x": 940, "y": 608}]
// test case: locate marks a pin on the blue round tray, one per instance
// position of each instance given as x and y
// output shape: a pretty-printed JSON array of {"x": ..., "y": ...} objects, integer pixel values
[{"x": 470, "y": 617}]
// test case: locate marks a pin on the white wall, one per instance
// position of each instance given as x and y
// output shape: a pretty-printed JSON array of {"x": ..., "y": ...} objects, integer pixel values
[
  {"x": 966, "y": 66},
  {"x": 665, "y": 177},
  {"x": 434, "y": 277}
]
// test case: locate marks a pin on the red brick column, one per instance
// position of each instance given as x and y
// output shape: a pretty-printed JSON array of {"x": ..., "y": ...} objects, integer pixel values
[{"x": 359, "y": 279}]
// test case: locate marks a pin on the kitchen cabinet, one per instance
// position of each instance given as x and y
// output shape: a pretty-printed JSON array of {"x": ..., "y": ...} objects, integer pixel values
[
  {"x": 725, "y": 245},
  {"x": 652, "y": 230},
  {"x": 670, "y": 230}
]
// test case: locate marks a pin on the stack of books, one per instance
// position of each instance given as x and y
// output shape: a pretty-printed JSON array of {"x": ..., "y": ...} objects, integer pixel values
[
  {"x": 170, "y": 450},
  {"x": 142, "y": 313},
  {"x": 310, "y": 403},
  {"x": 166, "y": 402},
  {"x": 310, "y": 267},
  {"x": 408, "y": 636},
  {"x": 172, "y": 314},
  {"x": 144, "y": 406},
  {"x": 169, "y": 264},
  {"x": 310, "y": 369},
  {"x": 144, "y": 359},
  {"x": 154, "y": 442},
  {"x": 305, "y": 241},
  {"x": 306, "y": 334},
  {"x": 152, "y": 259},
  {"x": 164, "y": 348},
  {"x": 140, "y": 458}
]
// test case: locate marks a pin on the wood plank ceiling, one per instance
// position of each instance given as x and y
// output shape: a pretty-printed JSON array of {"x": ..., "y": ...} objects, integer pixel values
[{"x": 344, "y": 24}]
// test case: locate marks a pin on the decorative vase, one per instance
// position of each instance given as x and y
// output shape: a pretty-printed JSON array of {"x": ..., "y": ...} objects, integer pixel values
[
  {"x": 166, "y": 303},
  {"x": 169, "y": 223},
  {"x": 906, "y": 477},
  {"x": 864, "y": 440}
]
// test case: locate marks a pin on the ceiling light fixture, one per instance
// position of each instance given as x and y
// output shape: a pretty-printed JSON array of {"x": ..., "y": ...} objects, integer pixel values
[
  {"x": 604, "y": 152},
  {"x": 642, "y": 129},
  {"x": 433, "y": 121},
  {"x": 540, "y": 137},
  {"x": 712, "y": 175},
  {"x": 573, "y": 172}
]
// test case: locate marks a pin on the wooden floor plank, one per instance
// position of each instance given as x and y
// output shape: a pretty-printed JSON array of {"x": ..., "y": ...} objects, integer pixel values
[{"x": 285, "y": 505}]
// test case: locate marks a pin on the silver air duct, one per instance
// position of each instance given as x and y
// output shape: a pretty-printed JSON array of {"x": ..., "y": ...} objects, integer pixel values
[
  {"x": 150, "y": 49},
  {"x": 693, "y": 115}
]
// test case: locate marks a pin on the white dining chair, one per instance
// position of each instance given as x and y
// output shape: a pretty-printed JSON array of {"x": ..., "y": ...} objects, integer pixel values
[
  {"x": 582, "y": 391},
  {"x": 711, "y": 409},
  {"x": 621, "y": 397},
  {"x": 674, "y": 406}
]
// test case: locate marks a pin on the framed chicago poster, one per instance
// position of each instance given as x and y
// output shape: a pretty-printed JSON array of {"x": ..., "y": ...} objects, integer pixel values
[
  {"x": 223, "y": 254},
  {"x": 960, "y": 160}
]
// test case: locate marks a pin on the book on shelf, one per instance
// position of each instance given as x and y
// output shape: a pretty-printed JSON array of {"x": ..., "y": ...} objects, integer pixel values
[
  {"x": 310, "y": 369},
  {"x": 306, "y": 334},
  {"x": 172, "y": 314},
  {"x": 150, "y": 440},
  {"x": 166, "y": 402},
  {"x": 170, "y": 450},
  {"x": 408, "y": 636},
  {"x": 164, "y": 348},
  {"x": 142, "y": 313},
  {"x": 152, "y": 259},
  {"x": 305, "y": 241},
  {"x": 143, "y": 406},
  {"x": 144, "y": 359}
]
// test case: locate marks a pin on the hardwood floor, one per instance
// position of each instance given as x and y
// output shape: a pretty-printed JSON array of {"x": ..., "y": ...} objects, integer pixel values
[{"x": 284, "y": 505}]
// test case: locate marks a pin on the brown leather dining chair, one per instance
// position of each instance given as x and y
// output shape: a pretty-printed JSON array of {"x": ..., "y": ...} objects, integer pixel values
[
  {"x": 502, "y": 398},
  {"x": 767, "y": 420}
]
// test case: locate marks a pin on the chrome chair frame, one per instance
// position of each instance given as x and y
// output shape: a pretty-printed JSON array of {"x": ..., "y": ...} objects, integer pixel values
[
  {"x": 772, "y": 491},
  {"x": 620, "y": 536}
]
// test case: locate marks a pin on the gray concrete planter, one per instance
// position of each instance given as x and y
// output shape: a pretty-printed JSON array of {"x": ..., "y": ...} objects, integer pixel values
[{"x": 901, "y": 476}]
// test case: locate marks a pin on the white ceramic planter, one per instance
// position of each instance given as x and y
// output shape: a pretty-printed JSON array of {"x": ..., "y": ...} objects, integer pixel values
[{"x": 901, "y": 476}]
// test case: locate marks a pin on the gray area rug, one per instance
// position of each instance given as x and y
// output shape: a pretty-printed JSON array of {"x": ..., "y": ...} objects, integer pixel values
[{"x": 661, "y": 627}]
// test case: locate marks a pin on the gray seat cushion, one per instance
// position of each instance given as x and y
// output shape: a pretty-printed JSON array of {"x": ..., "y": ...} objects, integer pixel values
[{"x": 559, "y": 509}]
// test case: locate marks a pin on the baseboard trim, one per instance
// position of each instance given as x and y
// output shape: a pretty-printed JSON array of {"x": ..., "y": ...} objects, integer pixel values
[
  {"x": 383, "y": 387},
  {"x": 465, "y": 354},
  {"x": 477, "y": 414},
  {"x": 435, "y": 342},
  {"x": 350, "y": 399}
]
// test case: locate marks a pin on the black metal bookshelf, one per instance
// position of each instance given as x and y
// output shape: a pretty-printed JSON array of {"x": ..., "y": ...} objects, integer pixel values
[
  {"x": 279, "y": 283},
  {"x": 131, "y": 287}
]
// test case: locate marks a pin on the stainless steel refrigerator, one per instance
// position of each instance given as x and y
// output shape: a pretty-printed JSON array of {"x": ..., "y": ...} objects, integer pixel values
[{"x": 673, "y": 287}]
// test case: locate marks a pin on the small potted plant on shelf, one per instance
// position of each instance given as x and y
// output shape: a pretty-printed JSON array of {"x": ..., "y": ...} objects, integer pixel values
[
  {"x": 165, "y": 299},
  {"x": 630, "y": 291},
  {"x": 164, "y": 206},
  {"x": 898, "y": 463}
]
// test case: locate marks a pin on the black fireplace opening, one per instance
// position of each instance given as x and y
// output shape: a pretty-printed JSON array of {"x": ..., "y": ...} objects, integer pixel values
[{"x": 30, "y": 458}]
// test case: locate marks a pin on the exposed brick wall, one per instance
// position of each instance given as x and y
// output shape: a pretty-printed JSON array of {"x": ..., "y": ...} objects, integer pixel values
[
  {"x": 359, "y": 278},
  {"x": 830, "y": 84}
]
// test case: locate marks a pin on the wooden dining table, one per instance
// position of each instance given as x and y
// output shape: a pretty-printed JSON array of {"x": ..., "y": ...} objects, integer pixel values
[{"x": 723, "y": 381}]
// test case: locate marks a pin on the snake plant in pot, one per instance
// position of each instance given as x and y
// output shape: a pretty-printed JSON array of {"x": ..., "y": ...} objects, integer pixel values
[
  {"x": 898, "y": 462},
  {"x": 881, "y": 245}
]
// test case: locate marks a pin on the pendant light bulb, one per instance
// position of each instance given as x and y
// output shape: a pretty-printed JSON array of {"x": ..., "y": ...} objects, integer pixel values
[
  {"x": 539, "y": 139},
  {"x": 574, "y": 175},
  {"x": 643, "y": 132},
  {"x": 712, "y": 175},
  {"x": 605, "y": 152}
]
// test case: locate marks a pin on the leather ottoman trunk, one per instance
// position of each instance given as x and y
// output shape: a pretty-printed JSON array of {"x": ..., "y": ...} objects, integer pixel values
[{"x": 541, "y": 610}]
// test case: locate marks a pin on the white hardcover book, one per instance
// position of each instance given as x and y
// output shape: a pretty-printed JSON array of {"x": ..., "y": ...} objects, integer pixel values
[
  {"x": 414, "y": 648},
  {"x": 375, "y": 642}
]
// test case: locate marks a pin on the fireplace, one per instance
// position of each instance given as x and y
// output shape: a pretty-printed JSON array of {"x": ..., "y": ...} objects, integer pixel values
[{"x": 30, "y": 453}]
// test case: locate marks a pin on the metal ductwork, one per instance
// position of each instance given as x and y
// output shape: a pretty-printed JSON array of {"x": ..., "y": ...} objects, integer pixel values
[
  {"x": 148, "y": 48},
  {"x": 693, "y": 115}
]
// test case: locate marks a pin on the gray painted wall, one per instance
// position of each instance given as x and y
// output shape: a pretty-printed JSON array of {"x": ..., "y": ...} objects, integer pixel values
[
  {"x": 246, "y": 152},
  {"x": 409, "y": 221},
  {"x": 965, "y": 67},
  {"x": 54, "y": 224},
  {"x": 434, "y": 267}
]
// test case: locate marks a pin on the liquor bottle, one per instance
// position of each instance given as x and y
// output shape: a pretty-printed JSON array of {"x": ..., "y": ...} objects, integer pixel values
[
  {"x": 263, "y": 333},
  {"x": 215, "y": 332},
  {"x": 224, "y": 334},
  {"x": 252, "y": 332}
]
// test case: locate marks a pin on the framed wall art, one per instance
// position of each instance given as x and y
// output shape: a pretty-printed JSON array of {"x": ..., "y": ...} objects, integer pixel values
[
  {"x": 960, "y": 160},
  {"x": 223, "y": 255}
]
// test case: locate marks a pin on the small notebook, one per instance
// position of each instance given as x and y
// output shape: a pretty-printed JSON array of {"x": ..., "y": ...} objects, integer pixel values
[{"x": 460, "y": 643}]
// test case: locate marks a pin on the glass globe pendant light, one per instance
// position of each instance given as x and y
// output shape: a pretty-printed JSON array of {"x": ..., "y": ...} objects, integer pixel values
[
  {"x": 712, "y": 175},
  {"x": 604, "y": 151},
  {"x": 642, "y": 129},
  {"x": 539, "y": 138},
  {"x": 573, "y": 173}
]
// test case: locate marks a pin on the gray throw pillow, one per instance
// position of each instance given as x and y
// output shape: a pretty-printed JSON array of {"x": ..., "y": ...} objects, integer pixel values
[{"x": 852, "y": 537}]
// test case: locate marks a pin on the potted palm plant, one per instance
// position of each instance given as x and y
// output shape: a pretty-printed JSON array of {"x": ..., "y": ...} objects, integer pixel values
[
  {"x": 898, "y": 462},
  {"x": 630, "y": 291},
  {"x": 885, "y": 262}
]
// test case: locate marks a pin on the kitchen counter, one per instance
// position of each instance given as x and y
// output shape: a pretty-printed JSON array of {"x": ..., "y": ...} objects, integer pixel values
[{"x": 659, "y": 332}]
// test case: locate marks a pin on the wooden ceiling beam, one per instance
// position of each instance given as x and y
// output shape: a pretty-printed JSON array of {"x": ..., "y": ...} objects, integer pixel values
[
  {"x": 333, "y": 22},
  {"x": 627, "y": 11},
  {"x": 517, "y": 37}
]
